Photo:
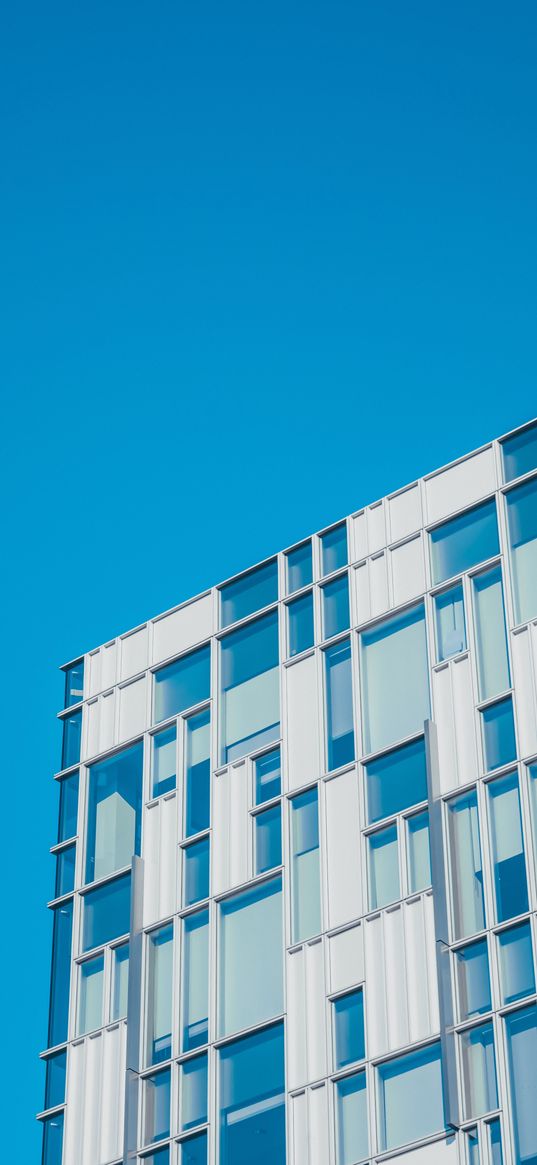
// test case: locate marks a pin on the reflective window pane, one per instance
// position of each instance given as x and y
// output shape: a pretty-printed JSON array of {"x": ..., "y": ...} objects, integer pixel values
[
  {"x": 159, "y": 1157},
  {"x": 251, "y": 957},
  {"x": 499, "y": 744},
  {"x": 114, "y": 812},
  {"x": 157, "y": 1106},
  {"x": 182, "y": 684},
  {"x": 522, "y": 524},
  {"x": 478, "y": 1070},
  {"x": 299, "y": 567},
  {"x": 195, "y": 981},
  {"x": 410, "y": 1097},
  {"x": 198, "y": 773},
  {"x": 473, "y": 1156},
  {"x": 348, "y": 1029},
  {"x": 473, "y": 978},
  {"x": 65, "y": 871},
  {"x": 60, "y": 973},
  {"x": 395, "y": 679},
  {"x": 521, "y": 1029},
  {"x": 120, "y": 982},
  {"x": 418, "y": 852},
  {"x": 252, "y": 1099},
  {"x": 164, "y": 761},
  {"x": 464, "y": 541},
  {"x": 450, "y": 622},
  {"x": 383, "y": 868},
  {"x": 72, "y": 732},
  {"x": 74, "y": 684},
  {"x": 491, "y": 635},
  {"x": 495, "y": 1142},
  {"x": 268, "y": 839},
  {"x": 396, "y": 780},
  {"x": 250, "y": 593},
  {"x": 196, "y": 872},
  {"x": 159, "y": 994},
  {"x": 517, "y": 975},
  {"x": 193, "y": 1151},
  {"x": 335, "y": 606},
  {"x": 106, "y": 912},
  {"x": 339, "y": 710},
  {"x": 250, "y": 689},
  {"x": 509, "y": 867},
  {"x": 305, "y": 866},
  {"x": 300, "y": 624},
  {"x": 55, "y": 1079},
  {"x": 268, "y": 782},
  {"x": 466, "y": 867},
  {"x": 90, "y": 995},
  {"x": 351, "y": 1119},
  {"x": 334, "y": 549},
  {"x": 53, "y": 1139},
  {"x": 520, "y": 453},
  {"x": 193, "y": 1092},
  {"x": 67, "y": 823}
]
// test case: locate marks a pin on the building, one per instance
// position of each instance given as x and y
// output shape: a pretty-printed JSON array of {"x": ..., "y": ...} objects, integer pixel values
[{"x": 296, "y": 888}]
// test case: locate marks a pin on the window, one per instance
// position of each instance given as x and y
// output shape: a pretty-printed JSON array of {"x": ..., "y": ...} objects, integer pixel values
[
  {"x": 159, "y": 994},
  {"x": 464, "y": 541},
  {"x": 335, "y": 600},
  {"x": 473, "y": 1156},
  {"x": 182, "y": 684},
  {"x": 268, "y": 779},
  {"x": 60, "y": 973},
  {"x": 198, "y": 773},
  {"x": 268, "y": 839},
  {"x": 509, "y": 868},
  {"x": 106, "y": 912},
  {"x": 521, "y": 1028},
  {"x": 348, "y": 1029},
  {"x": 252, "y": 1099},
  {"x": 120, "y": 982},
  {"x": 339, "y": 711},
  {"x": 299, "y": 567},
  {"x": 396, "y": 780},
  {"x": 65, "y": 871},
  {"x": 193, "y": 1150},
  {"x": 251, "y": 957},
  {"x": 195, "y": 981},
  {"x": 90, "y": 995},
  {"x": 334, "y": 548},
  {"x": 395, "y": 684},
  {"x": 114, "y": 812},
  {"x": 74, "y": 683},
  {"x": 55, "y": 1079},
  {"x": 250, "y": 699},
  {"x": 305, "y": 866},
  {"x": 466, "y": 869},
  {"x": 495, "y": 1142},
  {"x": 193, "y": 1092},
  {"x": 68, "y": 814},
  {"x": 196, "y": 872},
  {"x": 450, "y": 622},
  {"x": 72, "y": 732},
  {"x": 532, "y": 775},
  {"x": 410, "y": 1097},
  {"x": 300, "y": 624},
  {"x": 164, "y": 761},
  {"x": 499, "y": 743},
  {"x": 157, "y": 1106},
  {"x": 492, "y": 660},
  {"x": 383, "y": 868},
  {"x": 522, "y": 525},
  {"x": 249, "y": 593},
  {"x": 520, "y": 453},
  {"x": 478, "y": 1070},
  {"x": 53, "y": 1139},
  {"x": 517, "y": 976},
  {"x": 159, "y": 1157},
  {"x": 351, "y": 1119},
  {"x": 418, "y": 852},
  {"x": 473, "y": 979}
]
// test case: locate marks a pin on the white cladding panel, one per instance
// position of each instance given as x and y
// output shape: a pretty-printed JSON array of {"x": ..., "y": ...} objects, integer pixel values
[
  {"x": 460, "y": 485},
  {"x": 95, "y": 1092},
  {"x": 342, "y": 818},
  {"x": 345, "y": 958},
  {"x": 182, "y": 629},
  {"x": 524, "y": 656},
  {"x": 230, "y": 841},
  {"x": 133, "y": 708},
  {"x": 405, "y": 513},
  {"x": 160, "y": 854},
  {"x": 408, "y": 570},
  {"x": 306, "y": 1015},
  {"x": 439, "y": 1153},
  {"x": 302, "y": 722},
  {"x": 401, "y": 991},
  {"x": 134, "y": 653}
]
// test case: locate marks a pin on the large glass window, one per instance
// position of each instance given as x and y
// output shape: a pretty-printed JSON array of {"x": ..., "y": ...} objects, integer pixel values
[
  {"x": 499, "y": 742},
  {"x": 384, "y": 885},
  {"x": 68, "y": 814},
  {"x": 55, "y": 1079},
  {"x": 395, "y": 683},
  {"x": 250, "y": 697},
  {"x": 72, "y": 734},
  {"x": 195, "y": 981},
  {"x": 164, "y": 761},
  {"x": 198, "y": 773},
  {"x": 520, "y": 453},
  {"x": 250, "y": 593},
  {"x": 252, "y": 1099},
  {"x": 464, "y": 541},
  {"x": 450, "y": 622},
  {"x": 114, "y": 812},
  {"x": 106, "y": 912},
  {"x": 351, "y": 1119},
  {"x": 348, "y": 1029},
  {"x": 473, "y": 977},
  {"x": 193, "y": 1092},
  {"x": 334, "y": 548},
  {"x": 182, "y": 684},
  {"x": 268, "y": 776},
  {"x": 466, "y": 867},
  {"x": 193, "y": 1150},
  {"x": 492, "y": 659},
  {"x": 305, "y": 866},
  {"x": 300, "y": 624},
  {"x": 478, "y": 1070},
  {"x": 299, "y": 567},
  {"x": 60, "y": 973},
  {"x": 90, "y": 995},
  {"x": 396, "y": 780},
  {"x": 159, "y": 994},
  {"x": 521, "y": 1027},
  {"x": 517, "y": 976},
  {"x": 410, "y": 1098},
  {"x": 268, "y": 839},
  {"x": 522, "y": 525},
  {"x": 196, "y": 871},
  {"x": 74, "y": 684},
  {"x": 157, "y": 1090},
  {"x": 509, "y": 867},
  {"x": 251, "y": 957},
  {"x": 336, "y": 613},
  {"x": 53, "y": 1139},
  {"x": 339, "y": 711}
]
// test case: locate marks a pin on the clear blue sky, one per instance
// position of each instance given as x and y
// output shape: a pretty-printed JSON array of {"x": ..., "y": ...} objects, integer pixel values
[{"x": 260, "y": 264}]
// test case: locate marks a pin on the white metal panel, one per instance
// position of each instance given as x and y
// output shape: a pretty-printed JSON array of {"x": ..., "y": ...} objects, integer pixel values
[
  {"x": 345, "y": 958},
  {"x": 408, "y": 570},
  {"x": 230, "y": 828},
  {"x": 92, "y": 1098},
  {"x": 176, "y": 632},
  {"x": 113, "y": 1093},
  {"x": 465, "y": 720},
  {"x": 405, "y": 513},
  {"x": 396, "y": 978},
  {"x": 376, "y": 987},
  {"x": 299, "y": 1129},
  {"x": 94, "y": 678},
  {"x": 525, "y": 681},
  {"x": 358, "y": 536},
  {"x": 297, "y": 1068},
  {"x": 376, "y": 527},
  {"x": 302, "y": 721},
  {"x": 318, "y": 1125},
  {"x": 108, "y": 665},
  {"x": 445, "y": 723},
  {"x": 439, "y": 1153},
  {"x": 460, "y": 485},
  {"x": 134, "y": 657},
  {"x": 362, "y": 601},
  {"x": 432, "y": 975},
  {"x": 342, "y": 816},
  {"x": 132, "y": 708},
  {"x": 417, "y": 970},
  {"x": 315, "y": 996},
  {"x": 92, "y": 717},
  {"x": 107, "y": 734},
  {"x": 378, "y": 584},
  {"x": 160, "y": 859},
  {"x": 95, "y": 1098},
  {"x": 74, "y": 1113}
]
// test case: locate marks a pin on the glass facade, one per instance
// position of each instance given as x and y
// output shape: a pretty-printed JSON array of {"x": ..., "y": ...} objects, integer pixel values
[
  {"x": 250, "y": 691},
  {"x": 395, "y": 683}
]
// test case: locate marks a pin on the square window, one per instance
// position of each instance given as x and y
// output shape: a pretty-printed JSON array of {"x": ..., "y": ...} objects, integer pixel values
[
  {"x": 106, "y": 912},
  {"x": 182, "y": 684},
  {"x": 250, "y": 593},
  {"x": 464, "y": 541},
  {"x": 396, "y": 780},
  {"x": 520, "y": 453},
  {"x": 193, "y": 1150},
  {"x": 411, "y": 1102},
  {"x": 348, "y": 1029},
  {"x": 268, "y": 839}
]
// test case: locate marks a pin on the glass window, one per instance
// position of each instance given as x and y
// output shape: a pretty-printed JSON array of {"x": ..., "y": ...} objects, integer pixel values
[
  {"x": 492, "y": 660},
  {"x": 120, "y": 982},
  {"x": 521, "y": 1027},
  {"x": 193, "y": 1151},
  {"x": 410, "y": 1097},
  {"x": 499, "y": 743},
  {"x": 65, "y": 871},
  {"x": 522, "y": 525},
  {"x": 195, "y": 981},
  {"x": 473, "y": 1156},
  {"x": 466, "y": 868},
  {"x": 396, "y": 780},
  {"x": 252, "y": 1099},
  {"x": 395, "y": 683},
  {"x": 334, "y": 548},
  {"x": 159, "y": 1157},
  {"x": 383, "y": 868},
  {"x": 351, "y": 1119},
  {"x": 268, "y": 839},
  {"x": 72, "y": 732},
  {"x": 249, "y": 593},
  {"x": 299, "y": 567},
  {"x": 55, "y": 1079},
  {"x": 90, "y": 995},
  {"x": 419, "y": 853},
  {"x": 251, "y": 957},
  {"x": 114, "y": 812},
  {"x": 196, "y": 872},
  {"x": 464, "y": 541},
  {"x": 68, "y": 807},
  {"x": 159, "y": 994},
  {"x": 250, "y": 698},
  {"x": 268, "y": 776},
  {"x": 495, "y": 1142},
  {"x": 106, "y": 912},
  {"x": 472, "y": 963},
  {"x": 532, "y": 775},
  {"x": 305, "y": 866},
  {"x": 339, "y": 711},
  {"x": 520, "y": 453},
  {"x": 194, "y": 1092},
  {"x": 348, "y": 1029},
  {"x": 53, "y": 1139},
  {"x": 478, "y": 1070},
  {"x": 509, "y": 867},
  {"x": 335, "y": 599},
  {"x": 517, "y": 976},
  {"x": 450, "y": 622},
  {"x": 164, "y": 761},
  {"x": 183, "y": 683},
  {"x": 60, "y": 973},
  {"x": 300, "y": 624},
  {"x": 198, "y": 773},
  {"x": 157, "y": 1106},
  {"x": 74, "y": 684}
]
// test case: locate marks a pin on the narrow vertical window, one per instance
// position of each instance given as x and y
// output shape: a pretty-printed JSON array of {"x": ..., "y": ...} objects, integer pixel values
[
  {"x": 250, "y": 687},
  {"x": 418, "y": 852},
  {"x": 348, "y": 1029},
  {"x": 60, "y": 973},
  {"x": 120, "y": 982},
  {"x": 65, "y": 871},
  {"x": 473, "y": 979},
  {"x": 157, "y": 1089},
  {"x": 334, "y": 548},
  {"x": 305, "y": 866},
  {"x": 522, "y": 524},
  {"x": 195, "y": 981},
  {"x": 268, "y": 839},
  {"x": 268, "y": 776},
  {"x": 517, "y": 975},
  {"x": 450, "y": 623},
  {"x": 55, "y": 1080},
  {"x": 193, "y": 1092},
  {"x": 339, "y": 711},
  {"x": 164, "y": 761},
  {"x": 67, "y": 821},
  {"x": 478, "y": 1070},
  {"x": 299, "y": 567},
  {"x": 384, "y": 886},
  {"x": 499, "y": 743},
  {"x": 300, "y": 624},
  {"x": 351, "y": 1119},
  {"x": 159, "y": 994},
  {"x": 250, "y": 957},
  {"x": 335, "y": 600},
  {"x": 521, "y": 1028},
  {"x": 509, "y": 867},
  {"x": 74, "y": 683},
  {"x": 90, "y": 995},
  {"x": 466, "y": 867},
  {"x": 196, "y": 871},
  {"x": 72, "y": 734},
  {"x": 492, "y": 658},
  {"x": 53, "y": 1139},
  {"x": 198, "y": 773}
]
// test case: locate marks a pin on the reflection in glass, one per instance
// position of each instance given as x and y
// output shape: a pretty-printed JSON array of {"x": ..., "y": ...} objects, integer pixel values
[
  {"x": 464, "y": 541},
  {"x": 164, "y": 761},
  {"x": 522, "y": 525},
  {"x": 90, "y": 995},
  {"x": 252, "y": 1099},
  {"x": 410, "y": 1097},
  {"x": 334, "y": 548},
  {"x": 348, "y": 1027},
  {"x": 300, "y": 623},
  {"x": 478, "y": 1070},
  {"x": 268, "y": 839},
  {"x": 182, "y": 684},
  {"x": 299, "y": 567},
  {"x": 517, "y": 976},
  {"x": 198, "y": 773},
  {"x": 250, "y": 687},
  {"x": 473, "y": 979},
  {"x": 499, "y": 744},
  {"x": 114, "y": 812},
  {"x": 395, "y": 679},
  {"x": 268, "y": 783},
  {"x": 157, "y": 1106},
  {"x": 196, "y": 871},
  {"x": 509, "y": 867},
  {"x": 193, "y": 1092},
  {"x": 106, "y": 912},
  {"x": 335, "y": 600},
  {"x": 339, "y": 710},
  {"x": 249, "y": 593},
  {"x": 489, "y": 613},
  {"x": 159, "y": 994},
  {"x": 383, "y": 868},
  {"x": 396, "y": 780},
  {"x": 450, "y": 623},
  {"x": 251, "y": 957},
  {"x": 419, "y": 853},
  {"x": 520, "y": 453},
  {"x": 305, "y": 866},
  {"x": 466, "y": 868},
  {"x": 351, "y": 1119}
]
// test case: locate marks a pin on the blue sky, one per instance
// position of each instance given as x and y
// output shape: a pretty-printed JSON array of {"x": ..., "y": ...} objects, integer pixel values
[{"x": 261, "y": 264}]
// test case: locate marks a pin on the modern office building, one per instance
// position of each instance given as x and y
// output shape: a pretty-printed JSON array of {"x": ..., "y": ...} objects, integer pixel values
[{"x": 296, "y": 882}]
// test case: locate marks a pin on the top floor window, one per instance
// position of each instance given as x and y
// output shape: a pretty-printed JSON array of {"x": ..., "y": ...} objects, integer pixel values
[
  {"x": 464, "y": 541},
  {"x": 250, "y": 689},
  {"x": 522, "y": 526},
  {"x": 395, "y": 679},
  {"x": 299, "y": 567},
  {"x": 519, "y": 453},
  {"x": 182, "y": 684},
  {"x": 334, "y": 548},
  {"x": 249, "y": 593},
  {"x": 74, "y": 683},
  {"x": 114, "y": 812}
]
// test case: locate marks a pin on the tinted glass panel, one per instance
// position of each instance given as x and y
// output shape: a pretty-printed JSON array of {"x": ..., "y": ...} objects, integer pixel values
[
  {"x": 159, "y": 994},
  {"x": 418, "y": 852},
  {"x": 74, "y": 684},
  {"x": 193, "y": 1151},
  {"x": 114, "y": 812},
  {"x": 72, "y": 730},
  {"x": 473, "y": 979},
  {"x": 120, "y": 982},
  {"x": 339, "y": 710},
  {"x": 198, "y": 773},
  {"x": 196, "y": 872},
  {"x": 396, "y": 780},
  {"x": 495, "y": 1142},
  {"x": 55, "y": 1080},
  {"x": 194, "y": 1092},
  {"x": 157, "y": 1107},
  {"x": 251, "y": 957},
  {"x": 60, "y": 973},
  {"x": 299, "y": 568},
  {"x": 195, "y": 980},
  {"x": 521, "y": 1027},
  {"x": 383, "y": 868},
  {"x": 252, "y": 1099},
  {"x": 244, "y": 596},
  {"x": 411, "y": 1100},
  {"x": 517, "y": 976},
  {"x": 300, "y": 623},
  {"x": 520, "y": 453},
  {"x": 164, "y": 761},
  {"x": 68, "y": 807},
  {"x": 335, "y": 599},
  {"x": 334, "y": 549},
  {"x": 106, "y": 912},
  {"x": 493, "y": 664},
  {"x": 507, "y": 848},
  {"x": 499, "y": 744},
  {"x": 183, "y": 683},
  {"x": 348, "y": 1028},
  {"x": 305, "y": 869},
  {"x": 159, "y": 1157},
  {"x": 450, "y": 623},
  {"x": 464, "y": 541},
  {"x": 267, "y": 776},
  {"x": 522, "y": 523},
  {"x": 268, "y": 839},
  {"x": 53, "y": 1139},
  {"x": 466, "y": 868},
  {"x": 90, "y": 995},
  {"x": 65, "y": 871},
  {"x": 478, "y": 1070},
  {"x": 395, "y": 679},
  {"x": 250, "y": 697},
  {"x": 351, "y": 1119}
]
